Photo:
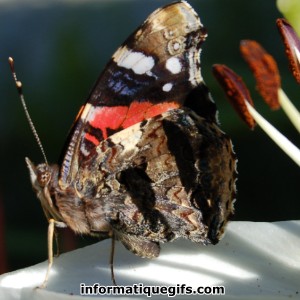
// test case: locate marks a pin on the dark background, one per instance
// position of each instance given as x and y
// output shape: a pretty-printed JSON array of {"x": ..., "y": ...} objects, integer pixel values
[{"x": 59, "y": 50}]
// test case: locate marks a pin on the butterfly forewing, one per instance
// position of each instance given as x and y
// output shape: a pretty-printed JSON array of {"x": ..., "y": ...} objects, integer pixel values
[{"x": 152, "y": 72}]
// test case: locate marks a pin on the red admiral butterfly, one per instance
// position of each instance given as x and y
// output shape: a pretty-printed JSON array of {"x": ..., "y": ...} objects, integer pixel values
[{"x": 145, "y": 161}]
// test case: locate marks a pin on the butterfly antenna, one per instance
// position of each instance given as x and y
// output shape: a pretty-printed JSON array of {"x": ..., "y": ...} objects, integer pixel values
[{"x": 20, "y": 92}]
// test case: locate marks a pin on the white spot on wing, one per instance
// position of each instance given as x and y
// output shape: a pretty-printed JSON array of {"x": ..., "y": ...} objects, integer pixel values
[
  {"x": 176, "y": 46},
  {"x": 85, "y": 111},
  {"x": 173, "y": 65},
  {"x": 167, "y": 87},
  {"x": 136, "y": 61},
  {"x": 83, "y": 150}
]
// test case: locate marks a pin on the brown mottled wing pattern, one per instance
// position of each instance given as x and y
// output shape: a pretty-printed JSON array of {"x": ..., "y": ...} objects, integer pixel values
[{"x": 162, "y": 179}]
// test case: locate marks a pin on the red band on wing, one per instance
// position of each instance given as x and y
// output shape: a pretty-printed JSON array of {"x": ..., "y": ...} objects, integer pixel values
[
  {"x": 120, "y": 117},
  {"x": 138, "y": 112},
  {"x": 108, "y": 117},
  {"x": 92, "y": 139}
]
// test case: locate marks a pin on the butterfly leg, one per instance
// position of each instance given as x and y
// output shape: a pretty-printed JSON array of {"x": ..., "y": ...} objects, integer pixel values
[
  {"x": 51, "y": 233},
  {"x": 111, "y": 260},
  {"x": 56, "y": 243},
  {"x": 50, "y": 251}
]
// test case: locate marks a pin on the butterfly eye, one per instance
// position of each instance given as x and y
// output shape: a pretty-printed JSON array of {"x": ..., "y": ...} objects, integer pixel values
[{"x": 43, "y": 176}]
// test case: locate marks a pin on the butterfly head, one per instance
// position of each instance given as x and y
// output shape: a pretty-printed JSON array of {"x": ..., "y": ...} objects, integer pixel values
[{"x": 43, "y": 178}]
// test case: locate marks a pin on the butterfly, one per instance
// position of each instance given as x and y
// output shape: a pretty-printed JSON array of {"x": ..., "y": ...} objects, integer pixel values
[{"x": 145, "y": 161}]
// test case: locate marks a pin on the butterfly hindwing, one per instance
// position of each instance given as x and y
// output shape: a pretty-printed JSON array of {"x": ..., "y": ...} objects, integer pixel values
[{"x": 154, "y": 190}]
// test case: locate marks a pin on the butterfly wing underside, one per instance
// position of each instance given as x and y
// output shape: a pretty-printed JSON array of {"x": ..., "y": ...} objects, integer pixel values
[
  {"x": 152, "y": 72},
  {"x": 149, "y": 122}
]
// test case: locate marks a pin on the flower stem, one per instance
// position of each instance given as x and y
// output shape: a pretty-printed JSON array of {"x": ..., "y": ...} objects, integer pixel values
[
  {"x": 290, "y": 149},
  {"x": 289, "y": 108}
]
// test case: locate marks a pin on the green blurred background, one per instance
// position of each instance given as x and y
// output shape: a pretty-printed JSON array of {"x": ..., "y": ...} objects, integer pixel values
[{"x": 60, "y": 47}]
